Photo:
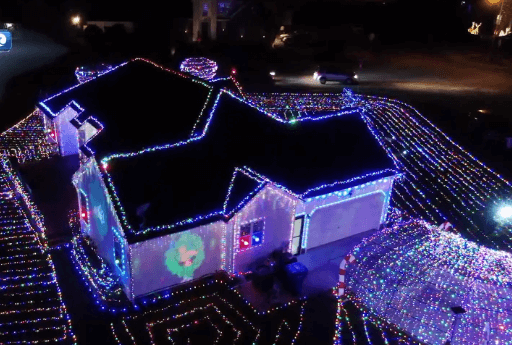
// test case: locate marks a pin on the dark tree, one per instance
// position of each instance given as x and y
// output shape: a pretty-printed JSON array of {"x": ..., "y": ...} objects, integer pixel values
[{"x": 94, "y": 35}]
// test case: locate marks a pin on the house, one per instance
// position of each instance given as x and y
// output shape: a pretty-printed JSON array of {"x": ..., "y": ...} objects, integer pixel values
[
  {"x": 104, "y": 25},
  {"x": 180, "y": 178},
  {"x": 230, "y": 20}
]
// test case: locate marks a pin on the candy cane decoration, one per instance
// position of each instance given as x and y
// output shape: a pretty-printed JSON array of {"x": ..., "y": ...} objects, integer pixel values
[
  {"x": 446, "y": 226},
  {"x": 341, "y": 284}
]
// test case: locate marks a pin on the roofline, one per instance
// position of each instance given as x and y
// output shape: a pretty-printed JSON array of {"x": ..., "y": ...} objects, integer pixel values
[
  {"x": 190, "y": 223},
  {"x": 94, "y": 122}
]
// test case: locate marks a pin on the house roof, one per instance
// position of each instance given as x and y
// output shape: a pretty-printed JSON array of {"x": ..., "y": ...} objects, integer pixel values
[
  {"x": 138, "y": 104},
  {"x": 194, "y": 179}
]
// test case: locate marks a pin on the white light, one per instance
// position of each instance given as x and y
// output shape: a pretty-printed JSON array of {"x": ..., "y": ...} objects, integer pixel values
[
  {"x": 75, "y": 20},
  {"x": 272, "y": 73},
  {"x": 355, "y": 76},
  {"x": 505, "y": 212},
  {"x": 8, "y": 25}
]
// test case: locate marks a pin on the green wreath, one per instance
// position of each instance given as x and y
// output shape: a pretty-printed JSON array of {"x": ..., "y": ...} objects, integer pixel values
[{"x": 185, "y": 255}]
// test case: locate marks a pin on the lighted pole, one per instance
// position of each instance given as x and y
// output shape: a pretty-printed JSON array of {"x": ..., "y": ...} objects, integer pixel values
[
  {"x": 498, "y": 18},
  {"x": 75, "y": 20}
]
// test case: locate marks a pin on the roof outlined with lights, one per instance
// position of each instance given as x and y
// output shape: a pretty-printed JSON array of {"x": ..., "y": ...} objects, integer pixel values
[
  {"x": 138, "y": 103},
  {"x": 239, "y": 151},
  {"x": 197, "y": 151}
]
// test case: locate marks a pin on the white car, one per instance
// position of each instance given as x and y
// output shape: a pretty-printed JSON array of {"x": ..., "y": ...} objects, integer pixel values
[{"x": 325, "y": 74}]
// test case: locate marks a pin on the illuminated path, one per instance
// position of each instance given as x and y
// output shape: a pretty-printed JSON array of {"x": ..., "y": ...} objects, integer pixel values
[
  {"x": 442, "y": 181},
  {"x": 31, "y": 307},
  {"x": 27, "y": 140}
]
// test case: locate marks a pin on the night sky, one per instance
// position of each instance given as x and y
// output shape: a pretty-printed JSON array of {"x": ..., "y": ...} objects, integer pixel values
[
  {"x": 401, "y": 16},
  {"x": 97, "y": 9}
]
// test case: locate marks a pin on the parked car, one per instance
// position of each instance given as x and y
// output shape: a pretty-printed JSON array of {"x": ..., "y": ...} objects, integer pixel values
[{"x": 324, "y": 74}]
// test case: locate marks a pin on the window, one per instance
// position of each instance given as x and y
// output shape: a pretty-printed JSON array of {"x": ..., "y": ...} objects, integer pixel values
[
  {"x": 205, "y": 9},
  {"x": 224, "y": 8},
  {"x": 251, "y": 234},
  {"x": 118, "y": 251},
  {"x": 84, "y": 213},
  {"x": 118, "y": 257},
  {"x": 298, "y": 225}
]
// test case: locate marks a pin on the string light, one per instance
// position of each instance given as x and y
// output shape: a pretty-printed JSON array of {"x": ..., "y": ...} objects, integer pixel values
[
  {"x": 84, "y": 74},
  {"x": 419, "y": 272},
  {"x": 38, "y": 315},
  {"x": 200, "y": 67},
  {"x": 222, "y": 310},
  {"x": 27, "y": 140}
]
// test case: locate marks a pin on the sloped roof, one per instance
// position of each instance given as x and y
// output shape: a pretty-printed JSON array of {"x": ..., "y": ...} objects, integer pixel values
[
  {"x": 193, "y": 179},
  {"x": 138, "y": 104}
]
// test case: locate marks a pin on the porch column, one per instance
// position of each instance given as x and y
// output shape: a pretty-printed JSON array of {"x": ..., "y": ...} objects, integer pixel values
[
  {"x": 213, "y": 19},
  {"x": 196, "y": 18}
]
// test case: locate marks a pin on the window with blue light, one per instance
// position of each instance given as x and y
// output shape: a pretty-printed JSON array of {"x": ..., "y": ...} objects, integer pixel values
[
  {"x": 205, "y": 9},
  {"x": 224, "y": 7},
  {"x": 251, "y": 234},
  {"x": 118, "y": 251}
]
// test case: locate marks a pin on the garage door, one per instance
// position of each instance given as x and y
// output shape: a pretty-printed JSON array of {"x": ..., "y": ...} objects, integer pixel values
[{"x": 332, "y": 223}]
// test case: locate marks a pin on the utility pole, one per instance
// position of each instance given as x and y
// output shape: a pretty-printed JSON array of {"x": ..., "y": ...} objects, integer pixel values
[{"x": 498, "y": 21}]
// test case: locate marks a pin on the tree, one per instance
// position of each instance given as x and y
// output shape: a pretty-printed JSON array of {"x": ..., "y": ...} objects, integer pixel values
[{"x": 94, "y": 36}]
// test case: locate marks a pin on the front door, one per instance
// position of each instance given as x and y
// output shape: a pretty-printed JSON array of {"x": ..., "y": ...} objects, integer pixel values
[
  {"x": 205, "y": 30},
  {"x": 298, "y": 226}
]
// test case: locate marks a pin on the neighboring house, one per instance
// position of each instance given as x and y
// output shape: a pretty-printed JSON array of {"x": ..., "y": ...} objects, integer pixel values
[
  {"x": 210, "y": 18},
  {"x": 129, "y": 26},
  {"x": 179, "y": 178}
]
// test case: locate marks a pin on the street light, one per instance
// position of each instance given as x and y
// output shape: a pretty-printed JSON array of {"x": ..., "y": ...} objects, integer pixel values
[{"x": 75, "y": 20}]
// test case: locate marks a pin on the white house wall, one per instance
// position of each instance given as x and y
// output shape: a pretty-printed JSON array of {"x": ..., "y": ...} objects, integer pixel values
[
  {"x": 277, "y": 209},
  {"x": 103, "y": 223},
  {"x": 86, "y": 132},
  {"x": 177, "y": 258},
  {"x": 67, "y": 133}
]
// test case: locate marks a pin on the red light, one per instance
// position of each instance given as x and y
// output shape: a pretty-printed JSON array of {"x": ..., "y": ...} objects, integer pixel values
[
  {"x": 233, "y": 71},
  {"x": 83, "y": 214}
]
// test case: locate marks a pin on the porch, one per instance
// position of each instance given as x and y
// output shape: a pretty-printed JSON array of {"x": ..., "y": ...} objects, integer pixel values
[{"x": 323, "y": 264}]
